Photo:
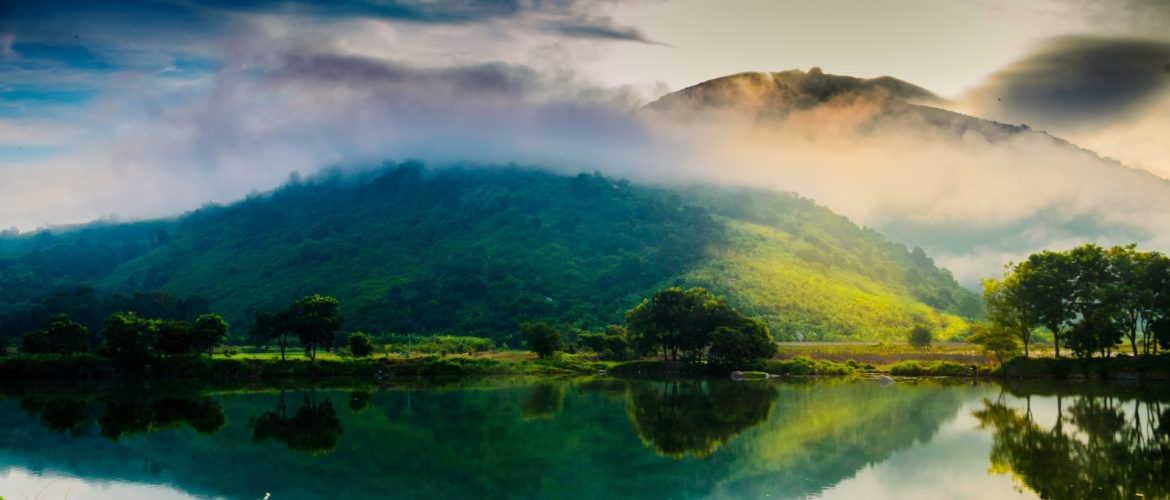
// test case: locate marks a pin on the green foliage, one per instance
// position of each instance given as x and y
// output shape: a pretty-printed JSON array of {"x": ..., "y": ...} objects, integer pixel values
[
  {"x": 676, "y": 320},
  {"x": 1089, "y": 297},
  {"x": 208, "y": 331},
  {"x": 360, "y": 345},
  {"x": 541, "y": 338},
  {"x": 803, "y": 366},
  {"x": 745, "y": 347},
  {"x": 996, "y": 340},
  {"x": 63, "y": 336},
  {"x": 315, "y": 319},
  {"x": 915, "y": 368},
  {"x": 128, "y": 337},
  {"x": 920, "y": 336},
  {"x": 173, "y": 338},
  {"x": 472, "y": 251}
]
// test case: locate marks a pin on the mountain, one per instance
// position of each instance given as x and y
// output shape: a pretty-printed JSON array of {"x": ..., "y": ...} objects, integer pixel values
[
  {"x": 479, "y": 250},
  {"x": 974, "y": 193}
]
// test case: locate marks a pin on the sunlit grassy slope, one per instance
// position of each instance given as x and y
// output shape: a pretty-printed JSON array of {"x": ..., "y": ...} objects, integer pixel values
[
  {"x": 476, "y": 251},
  {"x": 759, "y": 269}
]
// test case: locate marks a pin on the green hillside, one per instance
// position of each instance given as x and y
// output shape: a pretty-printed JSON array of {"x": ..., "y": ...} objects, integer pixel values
[{"x": 477, "y": 250}]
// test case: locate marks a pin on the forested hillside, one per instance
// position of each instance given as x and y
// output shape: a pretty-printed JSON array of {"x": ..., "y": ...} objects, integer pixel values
[{"x": 475, "y": 251}]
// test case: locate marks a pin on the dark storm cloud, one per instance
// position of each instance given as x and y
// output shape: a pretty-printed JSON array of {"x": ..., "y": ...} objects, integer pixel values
[
  {"x": 366, "y": 73},
  {"x": 1076, "y": 81},
  {"x": 602, "y": 29}
]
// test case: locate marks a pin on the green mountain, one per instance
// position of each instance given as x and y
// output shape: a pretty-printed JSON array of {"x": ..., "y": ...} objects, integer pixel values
[{"x": 477, "y": 250}]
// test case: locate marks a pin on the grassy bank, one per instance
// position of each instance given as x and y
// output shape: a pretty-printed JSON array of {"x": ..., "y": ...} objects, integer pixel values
[
  {"x": 267, "y": 367},
  {"x": 1145, "y": 368}
]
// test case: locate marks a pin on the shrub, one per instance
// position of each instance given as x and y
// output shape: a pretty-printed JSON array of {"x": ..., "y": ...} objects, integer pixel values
[
  {"x": 913, "y": 368},
  {"x": 920, "y": 336},
  {"x": 541, "y": 338},
  {"x": 360, "y": 344}
]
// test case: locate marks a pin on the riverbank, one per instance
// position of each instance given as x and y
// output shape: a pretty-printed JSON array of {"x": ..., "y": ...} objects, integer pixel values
[{"x": 92, "y": 367}]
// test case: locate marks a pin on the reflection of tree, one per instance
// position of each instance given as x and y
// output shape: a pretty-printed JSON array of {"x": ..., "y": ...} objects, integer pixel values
[
  {"x": 58, "y": 414},
  {"x": 313, "y": 429},
  {"x": 359, "y": 401},
  {"x": 1098, "y": 447},
  {"x": 131, "y": 413},
  {"x": 126, "y": 413},
  {"x": 696, "y": 417},
  {"x": 543, "y": 402}
]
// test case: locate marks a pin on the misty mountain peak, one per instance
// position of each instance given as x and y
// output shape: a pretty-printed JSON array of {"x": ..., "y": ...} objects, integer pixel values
[{"x": 786, "y": 90}]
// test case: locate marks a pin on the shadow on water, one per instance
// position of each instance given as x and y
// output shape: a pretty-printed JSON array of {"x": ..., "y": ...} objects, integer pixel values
[{"x": 1060, "y": 444}]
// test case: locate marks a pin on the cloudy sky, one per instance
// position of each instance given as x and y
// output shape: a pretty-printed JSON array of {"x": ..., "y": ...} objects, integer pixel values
[{"x": 133, "y": 109}]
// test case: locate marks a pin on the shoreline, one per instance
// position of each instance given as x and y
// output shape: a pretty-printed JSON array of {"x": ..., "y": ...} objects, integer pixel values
[{"x": 92, "y": 367}]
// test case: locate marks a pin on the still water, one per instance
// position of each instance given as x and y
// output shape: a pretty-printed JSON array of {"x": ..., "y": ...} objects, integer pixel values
[{"x": 597, "y": 438}]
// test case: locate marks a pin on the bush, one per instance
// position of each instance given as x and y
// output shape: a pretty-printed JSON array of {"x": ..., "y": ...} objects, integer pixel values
[
  {"x": 541, "y": 338},
  {"x": 360, "y": 345},
  {"x": 920, "y": 336},
  {"x": 913, "y": 368},
  {"x": 741, "y": 348}
]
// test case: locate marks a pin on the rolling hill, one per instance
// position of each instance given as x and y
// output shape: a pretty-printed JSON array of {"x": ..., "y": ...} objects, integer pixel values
[{"x": 478, "y": 250}]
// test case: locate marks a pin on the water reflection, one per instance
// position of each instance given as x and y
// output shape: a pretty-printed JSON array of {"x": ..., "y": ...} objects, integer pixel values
[
  {"x": 1097, "y": 447},
  {"x": 695, "y": 417},
  {"x": 313, "y": 429},
  {"x": 124, "y": 413},
  {"x": 543, "y": 402}
]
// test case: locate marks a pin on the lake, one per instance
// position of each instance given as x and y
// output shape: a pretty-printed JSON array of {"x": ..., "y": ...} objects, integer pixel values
[{"x": 588, "y": 438}]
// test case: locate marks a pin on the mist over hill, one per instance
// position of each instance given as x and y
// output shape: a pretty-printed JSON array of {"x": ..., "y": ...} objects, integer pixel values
[
  {"x": 974, "y": 193},
  {"x": 478, "y": 250}
]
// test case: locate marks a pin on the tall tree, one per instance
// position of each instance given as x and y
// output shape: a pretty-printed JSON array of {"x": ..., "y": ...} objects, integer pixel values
[
  {"x": 315, "y": 319},
  {"x": 273, "y": 327},
  {"x": 1008, "y": 311},
  {"x": 208, "y": 331},
  {"x": 128, "y": 337},
  {"x": 1046, "y": 285}
]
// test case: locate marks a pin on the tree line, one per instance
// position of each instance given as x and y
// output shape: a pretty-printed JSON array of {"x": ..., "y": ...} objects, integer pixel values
[
  {"x": 689, "y": 325},
  {"x": 1090, "y": 299}
]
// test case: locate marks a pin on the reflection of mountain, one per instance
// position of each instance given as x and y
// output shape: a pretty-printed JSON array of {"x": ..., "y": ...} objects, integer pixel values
[
  {"x": 1098, "y": 447},
  {"x": 556, "y": 439}
]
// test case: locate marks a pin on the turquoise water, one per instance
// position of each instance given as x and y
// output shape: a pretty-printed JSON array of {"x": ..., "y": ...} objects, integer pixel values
[{"x": 599, "y": 438}]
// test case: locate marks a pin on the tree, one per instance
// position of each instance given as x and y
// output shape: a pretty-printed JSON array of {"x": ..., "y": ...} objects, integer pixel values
[
  {"x": 128, "y": 337},
  {"x": 63, "y": 336},
  {"x": 207, "y": 332},
  {"x": 67, "y": 336},
  {"x": 35, "y": 342},
  {"x": 173, "y": 337},
  {"x": 995, "y": 339},
  {"x": 1008, "y": 311},
  {"x": 743, "y": 347},
  {"x": 268, "y": 327},
  {"x": 678, "y": 320},
  {"x": 1046, "y": 288},
  {"x": 360, "y": 344},
  {"x": 920, "y": 336},
  {"x": 541, "y": 338},
  {"x": 315, "y": 319}
]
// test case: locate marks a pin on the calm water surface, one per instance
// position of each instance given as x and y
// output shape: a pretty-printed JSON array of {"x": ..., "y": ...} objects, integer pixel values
[{"x": 600, "y": 438}]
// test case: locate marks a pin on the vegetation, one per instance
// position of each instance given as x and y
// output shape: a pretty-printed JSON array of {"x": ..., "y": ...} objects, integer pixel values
[
  {"x": 360, "y": 345},
  {"x": 920, "y": 336},
  {"x": 471, "y": 251},
  {"x": 692, "y": 321},
  {"x": 1088, "y": 297},
  {"x": 541, "y": 338}
]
